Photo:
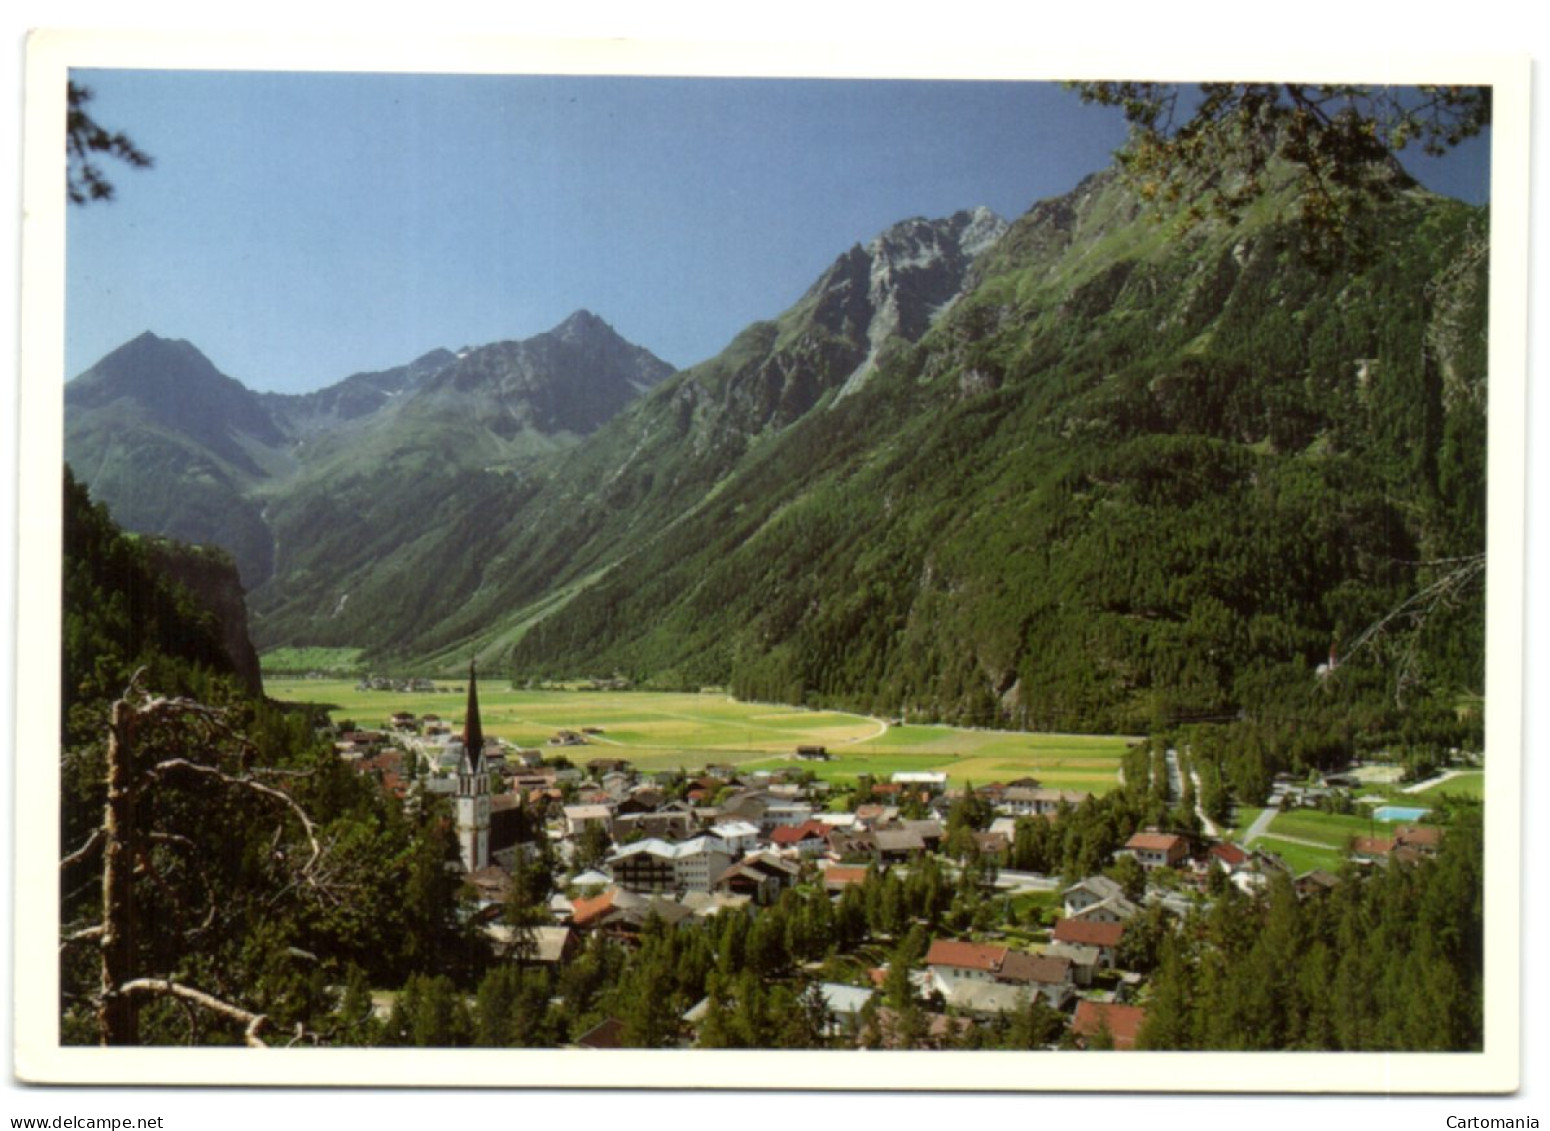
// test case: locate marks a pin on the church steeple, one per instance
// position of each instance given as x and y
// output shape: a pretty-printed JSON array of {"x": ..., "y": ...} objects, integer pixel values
[
  {"x": 473, "y": 730},
  {"x": 473, "y": 787}
]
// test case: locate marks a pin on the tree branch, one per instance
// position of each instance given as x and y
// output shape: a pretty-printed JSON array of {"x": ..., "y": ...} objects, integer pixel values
[
  {"x": 254, "y": 1023},
  {"x": 93, "y": 844},
  {"x": 199, "y": 769}
]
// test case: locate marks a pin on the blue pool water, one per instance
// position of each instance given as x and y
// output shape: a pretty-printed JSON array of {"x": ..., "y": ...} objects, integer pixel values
[{"x": 1399, "y": 813}]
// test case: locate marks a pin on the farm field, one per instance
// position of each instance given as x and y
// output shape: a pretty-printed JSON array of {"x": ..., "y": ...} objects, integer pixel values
[{"x": 658, "y": 730}]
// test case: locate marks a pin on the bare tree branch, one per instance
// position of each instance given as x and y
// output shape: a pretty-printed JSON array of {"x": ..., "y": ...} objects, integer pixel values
[
  {"x": 93, "y": 844},
  {"x": 254, "y": 1023}
]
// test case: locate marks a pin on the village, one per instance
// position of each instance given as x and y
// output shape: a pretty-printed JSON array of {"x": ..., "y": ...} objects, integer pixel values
[{"x": 627, "y": 852}]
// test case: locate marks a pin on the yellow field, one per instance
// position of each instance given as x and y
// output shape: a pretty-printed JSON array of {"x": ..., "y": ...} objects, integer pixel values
[{"x": 661, "y": 730}]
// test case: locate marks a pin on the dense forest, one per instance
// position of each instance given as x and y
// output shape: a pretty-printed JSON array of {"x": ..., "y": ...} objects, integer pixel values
[{"x": 225, "y": 795}]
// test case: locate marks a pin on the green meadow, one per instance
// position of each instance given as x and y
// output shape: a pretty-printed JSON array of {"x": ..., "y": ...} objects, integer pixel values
[
  {"x": 1470, "y": 784},
  {"x": 657, "y": 730}
]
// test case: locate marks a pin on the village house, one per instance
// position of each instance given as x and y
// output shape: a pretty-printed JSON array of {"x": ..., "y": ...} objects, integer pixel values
[
  {"x": 1090, "y": 944},
  {"x": 579, "y": 818},
  {"x": 1425, "y": 839},
  {"x": 1035, "y": 801},
  {"x": 982, "y": 978},
  {"x": 896, "y": 845},
  {"x": 1227, "y": 857},
  {"x": 992, "y": 846},
  {"x": 760, "y": 876},
  {"x": 838, "y": 877},
  {"x": 1154, "y": 850},
  {"x": 666, "y": 824},
  {"x": 622, "y": 915},
  {"x": 740, "y": 837},
  {"x": 928, "y": 781},
  {"x": 1315, "y": 882},
  {"x": 1099, "y": 899},
  {"x": 806, "y": 840},
  {"x": 1121, "y": 1022},
  {"x": 661, "y": 866}
]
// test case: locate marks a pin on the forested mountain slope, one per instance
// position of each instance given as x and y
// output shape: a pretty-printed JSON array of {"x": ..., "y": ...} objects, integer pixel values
[
  {"x": 497, "y": 545},
  {"x": 1134, "y": 476}
]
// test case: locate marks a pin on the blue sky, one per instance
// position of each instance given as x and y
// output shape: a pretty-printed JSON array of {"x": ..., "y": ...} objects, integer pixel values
[{"x": 298, "y": 228}]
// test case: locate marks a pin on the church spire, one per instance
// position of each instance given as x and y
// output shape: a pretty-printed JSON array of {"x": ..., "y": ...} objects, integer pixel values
[{"x": 473, "y": 731}]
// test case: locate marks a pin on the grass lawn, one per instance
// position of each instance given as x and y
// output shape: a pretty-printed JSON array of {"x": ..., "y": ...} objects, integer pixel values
[
  {"x": 1329, "y": 829},
  {"x": 1471, "y": 784},
  {"x": 1301, "y": 857},
  {"x": 658, "y": 730}
]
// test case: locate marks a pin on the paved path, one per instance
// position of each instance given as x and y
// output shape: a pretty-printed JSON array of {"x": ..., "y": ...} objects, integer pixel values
[
  {"x": 1260, "y": 827},
  {"x": 1429, "y": 782},
  {"x": 1206, "y": 823}
]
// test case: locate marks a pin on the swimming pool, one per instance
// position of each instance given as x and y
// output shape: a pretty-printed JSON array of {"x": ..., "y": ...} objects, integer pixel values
[{"x": 1399, "y": 813}]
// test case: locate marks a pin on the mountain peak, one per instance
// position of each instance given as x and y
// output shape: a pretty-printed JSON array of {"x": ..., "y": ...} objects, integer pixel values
[{"x": 582, "y": 322}]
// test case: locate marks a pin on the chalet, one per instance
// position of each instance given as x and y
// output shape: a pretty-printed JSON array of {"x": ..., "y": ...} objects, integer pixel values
[
  {"x": 992, "y": 845},
  {"x": 606, "y": 1034},
  {"x": 1316, "y": 882},
  {"x": 760, "y": 876},
  {"x": 873, "y": 814},
  {"x": 667, "y": 824},
  {"x": 642, "y": 799},
  {"x": 661, "y": 866},
  {"x": 622, "y": 915},
  {"x": 930, "y": 832},
  {"x": 579, "y": 818},
  {"x": 1047, "y": 975},
  {"x": 844, "y": 1005},
  {"x": 1090, "y": 944},
  {"x": 1372, "y": 848},
  {"x": 597, "y": 767},
  {"x": 1426, "y": 839},
  {"x": 896, "y": 845},
  {"x": 838, "y": 877},
  {"x": 778, "y": 813},
  {"x": 1034, "y": 801},
  {"x": 1085, "y": 893},
  {"x": 739, "y": 836},
  {"x": 982, "y": 978},
  {"x": 1121, "y": 1022},
  {"x": 1228, "y": 857},
  {"x": 808, "y": 839},
  {"x": 645, "y": 866},
  {"x": 929, "y": 781},
  {"x": 1158, "y": 850},
  {"x": 1112, "y": 910},
  {"x": 543, "y": 945}
]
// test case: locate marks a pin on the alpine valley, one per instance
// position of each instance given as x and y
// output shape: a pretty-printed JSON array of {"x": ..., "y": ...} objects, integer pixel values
[{"x": 1095, "y": 469}]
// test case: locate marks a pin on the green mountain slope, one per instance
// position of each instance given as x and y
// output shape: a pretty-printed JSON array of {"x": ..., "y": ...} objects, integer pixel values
[
  {"x": 1131, "y": 478},
  {"x": 485, "y": 552}
]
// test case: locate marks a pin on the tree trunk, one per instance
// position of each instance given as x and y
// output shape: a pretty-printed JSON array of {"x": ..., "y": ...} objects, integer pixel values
[{"x": 116, "y": 1016}]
